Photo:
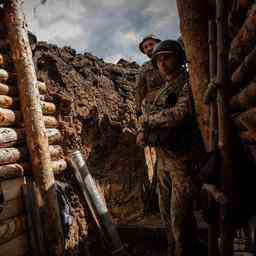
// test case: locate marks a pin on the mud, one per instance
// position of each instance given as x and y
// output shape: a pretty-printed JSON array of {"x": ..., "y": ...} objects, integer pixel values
[{"x": 96, "y": 111}]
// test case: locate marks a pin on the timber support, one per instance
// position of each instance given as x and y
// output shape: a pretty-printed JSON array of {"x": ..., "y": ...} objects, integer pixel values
[{"x": 37, "y": 141}]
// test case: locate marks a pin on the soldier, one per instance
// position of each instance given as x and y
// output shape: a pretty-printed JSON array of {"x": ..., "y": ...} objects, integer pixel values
[
  {"x": 149, "y": 77},
  {"x": 148, "y": 81},
  {"x": 170, "y": 126}
]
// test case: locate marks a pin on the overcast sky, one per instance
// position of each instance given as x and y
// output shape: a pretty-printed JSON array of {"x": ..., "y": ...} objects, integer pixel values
[{"x": 109, "y": 29}]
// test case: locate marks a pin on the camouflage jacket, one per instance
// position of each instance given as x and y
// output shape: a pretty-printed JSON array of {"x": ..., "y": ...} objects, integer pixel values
[
  {"x": 148, "y": 81},
  {"x": 170, "y": 120}
]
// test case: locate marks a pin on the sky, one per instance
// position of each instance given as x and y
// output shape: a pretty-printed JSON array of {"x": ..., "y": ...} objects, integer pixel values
[{"x": 109, "y": 29}]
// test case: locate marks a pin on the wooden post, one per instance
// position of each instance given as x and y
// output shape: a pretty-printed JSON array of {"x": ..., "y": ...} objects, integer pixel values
[
  {"x": 213, "y": 248},
  {"x": 33, "y": 119},
  {"x": 224, "y": 131},
  {"x": 213, "y": 139},
  {"x": 194, "y": 30}
]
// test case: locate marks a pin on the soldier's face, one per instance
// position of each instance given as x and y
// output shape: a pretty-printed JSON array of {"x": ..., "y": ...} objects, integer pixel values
[
  {"x": 148, "y": 47},
  {"x": 166, "y": 63}
]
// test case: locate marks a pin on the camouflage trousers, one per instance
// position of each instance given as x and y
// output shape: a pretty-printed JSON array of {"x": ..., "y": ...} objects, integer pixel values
[{"x": 176, "y": 202}]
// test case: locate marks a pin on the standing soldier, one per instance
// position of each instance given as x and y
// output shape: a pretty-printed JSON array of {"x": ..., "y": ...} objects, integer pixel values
[
  {"x": 170, "y": 126},
  {"x": 148, "y": 81},
  {"x": 149, "y": 77}
]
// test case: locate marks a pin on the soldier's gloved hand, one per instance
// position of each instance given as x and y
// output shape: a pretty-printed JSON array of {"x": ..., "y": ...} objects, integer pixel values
[{"x": 140, "y": 140}]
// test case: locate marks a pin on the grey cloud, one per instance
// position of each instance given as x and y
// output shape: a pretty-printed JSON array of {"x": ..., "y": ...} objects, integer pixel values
[{"x": 107, "y": 28}]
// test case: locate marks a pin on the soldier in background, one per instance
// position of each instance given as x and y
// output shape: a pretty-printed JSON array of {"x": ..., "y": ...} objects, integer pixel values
[
  {"x": 170, "y": 126},
  {"x": 149, "y": 77}
]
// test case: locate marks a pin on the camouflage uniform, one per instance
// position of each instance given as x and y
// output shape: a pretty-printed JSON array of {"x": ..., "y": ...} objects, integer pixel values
[
  {"x": 170, "y": 128},
  {"x": 147, "y": 82}
]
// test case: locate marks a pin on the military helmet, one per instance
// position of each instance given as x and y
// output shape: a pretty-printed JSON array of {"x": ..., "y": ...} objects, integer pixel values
[
  {"x": 151, "y": 36},
  {"x": 169, "y": 46}
]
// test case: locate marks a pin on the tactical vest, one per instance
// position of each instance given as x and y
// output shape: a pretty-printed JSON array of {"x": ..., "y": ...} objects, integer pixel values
[{"x": 180, "y": 138}]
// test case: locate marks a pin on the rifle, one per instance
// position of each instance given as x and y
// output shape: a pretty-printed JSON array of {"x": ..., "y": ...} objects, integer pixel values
[{"x": 150, "y": 197}]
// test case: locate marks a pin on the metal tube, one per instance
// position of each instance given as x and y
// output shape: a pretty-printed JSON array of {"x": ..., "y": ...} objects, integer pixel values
[{"x": 96, "y": 204}]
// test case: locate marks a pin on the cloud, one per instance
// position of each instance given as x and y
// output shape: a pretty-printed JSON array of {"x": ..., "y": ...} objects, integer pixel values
[{"x": 110, "y": 29}]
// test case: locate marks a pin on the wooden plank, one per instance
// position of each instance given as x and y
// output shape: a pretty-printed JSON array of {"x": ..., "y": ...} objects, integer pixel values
[
  {"x": 50, "y": 122},
  {"x": 11, "y": 171},
  {"x": 196, "y": 45},
  {"x": 54, "y": 135},
  {"x": 36, "y": 236},
  {"x": 13, "y": 90},
  {"x": 4, "y": 43},
  {"x": 48, "y": 108},
  {"x": 59, "y": 166},
  {"x": 10, "y": 118},
  {"x": 8, "y": 90},
  {"x": 31, "y": 227},
  {"x": 13, "y": 155},
  {"x": 12, "y": 208},
  {"x": 15, "y": 136},
  {"x": 244, "y": 42},
  {"x": 5, "y": 60},
  {"x": 246, "y": 120},
  {"x": 245, "y": 72},
  {"x": 16, "y": 247},
  {"x": 3, "y": 75},
  {"x": 213, "y": 247},
  {"x": 11, "y": 189},
  {"x": 11, "y": 137},
  {"x": 41, "y": 87},
  {"x": 37, "y": 141},
  {"x": 244, "y": 99},
  {"x": 9, "y": 102},
  {"x": 56, "y": 152},
  {"x": 249, "y": 136},
  {"x": 11, "y": 228},
  {"x": 225, "y": 139}
]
